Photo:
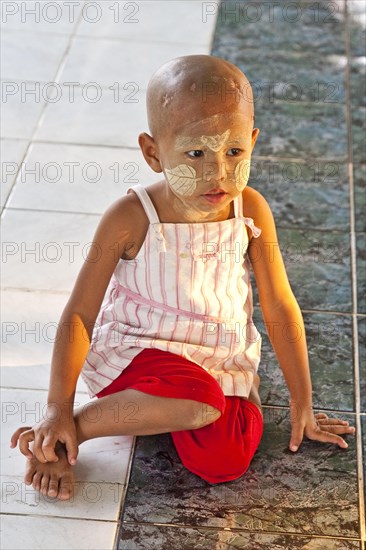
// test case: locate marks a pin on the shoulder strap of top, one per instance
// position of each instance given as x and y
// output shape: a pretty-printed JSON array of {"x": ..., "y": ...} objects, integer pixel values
[
  {"x": 239, "y": 213},
  {"x": 146, "y": 202},
  {"x": 238, "y": 206},
  {"x": 151, "y": 214}
]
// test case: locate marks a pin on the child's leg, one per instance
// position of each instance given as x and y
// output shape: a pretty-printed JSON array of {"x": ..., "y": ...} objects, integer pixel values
[
  {"x": 129, "y": 412},
  {"x": 223, "y": 450},
  {"x": 132, "y": 412}
]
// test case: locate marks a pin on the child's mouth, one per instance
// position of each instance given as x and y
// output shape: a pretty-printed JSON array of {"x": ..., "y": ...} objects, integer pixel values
[{"x": 215, "y": 196}]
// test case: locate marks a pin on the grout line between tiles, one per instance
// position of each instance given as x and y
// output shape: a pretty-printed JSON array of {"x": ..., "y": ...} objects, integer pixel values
[
  {"x": 321, "y": 311},
  {"x": 65, "y": 293},
  {"x": 42, "y": 113},
  {"x": 107, "y": 37},
  {"x": 214, "y": 27},
  {"x": 47, "y": 210},
  {"x": 348, "y": 97},
  {"x": 241, "y": 530},
  {"x": 57, "y": 517},
  {"x": 123, "y": 501},
  {"x": 256, "y": 306},
  {"x": 17, "y": 388},
  {"x": 72, "y": 212},
  {"x": 81, "y": 144},
  {"x": 317, "y": 409},
  {"x": 129, "y": 147}
]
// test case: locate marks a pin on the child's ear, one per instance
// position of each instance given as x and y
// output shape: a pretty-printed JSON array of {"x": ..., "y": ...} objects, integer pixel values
[
  {"x": 255, "y": 134},
  {"x": 150, "y": 151}
]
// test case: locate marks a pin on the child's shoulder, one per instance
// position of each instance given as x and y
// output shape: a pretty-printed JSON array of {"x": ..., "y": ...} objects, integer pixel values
[
  {"x": 126, "y": 220},
  {"x": 127, "y": 210},
  {"x": 255, "y": 205}
]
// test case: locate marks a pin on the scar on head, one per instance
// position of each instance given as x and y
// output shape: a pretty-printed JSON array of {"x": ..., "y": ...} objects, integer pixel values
[{"x": 166, "y": 99}]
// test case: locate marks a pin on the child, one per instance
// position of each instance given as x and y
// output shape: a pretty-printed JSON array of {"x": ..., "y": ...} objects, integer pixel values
[{"x": 160, "y": 324}]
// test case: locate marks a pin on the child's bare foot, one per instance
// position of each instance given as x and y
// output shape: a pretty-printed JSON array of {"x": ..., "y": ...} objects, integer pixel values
[{"x": 52, "y": 479}]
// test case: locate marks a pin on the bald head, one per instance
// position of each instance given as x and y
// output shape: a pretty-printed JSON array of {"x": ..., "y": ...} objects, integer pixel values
[{"x": 194, "y": 87}]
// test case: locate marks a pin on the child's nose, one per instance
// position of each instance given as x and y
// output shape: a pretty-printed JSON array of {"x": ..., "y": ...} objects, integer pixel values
[{"x": 215, "y": 170}]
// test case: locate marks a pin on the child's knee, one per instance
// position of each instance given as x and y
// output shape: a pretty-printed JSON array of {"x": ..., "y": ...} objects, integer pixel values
[{"x": 207, "y": 415}]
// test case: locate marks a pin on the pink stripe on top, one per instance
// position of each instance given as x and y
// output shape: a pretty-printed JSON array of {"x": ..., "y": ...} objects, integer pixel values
[{"x": 188, "y": 292}]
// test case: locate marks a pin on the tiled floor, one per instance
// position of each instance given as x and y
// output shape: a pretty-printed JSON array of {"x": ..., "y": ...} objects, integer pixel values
[
  {"x": 306, "y": 63},
  {"x": 65, "y": 159},
  {"x": 310, "y": 98}
]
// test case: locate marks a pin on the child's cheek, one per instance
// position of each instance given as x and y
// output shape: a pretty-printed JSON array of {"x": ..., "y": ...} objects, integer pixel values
[
  {"x": 182, "y": 179},
  {"x": 242, "y": 171}
]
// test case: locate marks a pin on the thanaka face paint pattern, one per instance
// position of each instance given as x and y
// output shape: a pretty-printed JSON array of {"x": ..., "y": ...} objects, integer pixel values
[
  {"x": 189, "y": 175},
  {"x": 182, "y": 179},
  {"x": 241, "y": 174},
  {"x": 215, "y": 143}
]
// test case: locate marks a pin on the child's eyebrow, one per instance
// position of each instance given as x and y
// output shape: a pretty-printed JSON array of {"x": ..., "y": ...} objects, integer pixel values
[
  {"x": 235, "y": 141},
  {"x": 188, "y": 143},
  {"x": 206, "y": 142}
]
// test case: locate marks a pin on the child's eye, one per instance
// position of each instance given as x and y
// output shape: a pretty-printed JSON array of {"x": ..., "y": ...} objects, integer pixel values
[
  {"x": 196, "y": 153},
  {"x": 234, "y": 152}
]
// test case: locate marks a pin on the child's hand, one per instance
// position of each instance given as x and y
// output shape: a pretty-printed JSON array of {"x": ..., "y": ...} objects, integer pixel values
[
  {"x": 318, "y": 427},
  {"x": 45, "y": 435}
]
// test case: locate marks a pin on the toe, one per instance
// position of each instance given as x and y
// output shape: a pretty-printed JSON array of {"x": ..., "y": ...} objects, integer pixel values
[
  {"x": 29, "y": 473},
  {"x": 44, "y": 484},
  {"x": 65, "y": 491},
  {"x": 53, "y": 487},
  {"x": 37, "y": 478}
]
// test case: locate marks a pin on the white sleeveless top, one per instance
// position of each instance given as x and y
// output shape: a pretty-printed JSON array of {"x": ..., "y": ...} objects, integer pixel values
[{"x": 188, "y": 292}]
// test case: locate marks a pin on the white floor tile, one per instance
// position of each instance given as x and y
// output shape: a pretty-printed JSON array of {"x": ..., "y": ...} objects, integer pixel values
[
  {"x": 56, "y": 17},
  {"x": 100, "y": 175},
  {"x": 11, "y": 153},
  {"x": 103, "y": 460},
  {"x": 48, "y": 249},
  {"x": 95, "y": 61},
  {"x": 36, "y": 533},
  {"x": 116, "y": 118},
  {"x": 34, "y": 49},
  {"x": 32, "y": 377},
  {"x": 29, "y": 324},
  {"x": 20, "y": 108},
  {"x": 25, "y": 57},
  {"x": 91, "y": 500},
  {"x": 187, "y": 21}
]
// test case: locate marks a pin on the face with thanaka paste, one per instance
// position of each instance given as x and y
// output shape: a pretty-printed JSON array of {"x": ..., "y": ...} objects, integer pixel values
[
  {"x": 200, "y": 114},
  {"x": 207, "y": 155}
]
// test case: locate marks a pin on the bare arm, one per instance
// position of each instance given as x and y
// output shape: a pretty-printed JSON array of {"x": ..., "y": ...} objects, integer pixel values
[
  {"x": 114, "y": 233},
  {"x": 284, "y": 323}
]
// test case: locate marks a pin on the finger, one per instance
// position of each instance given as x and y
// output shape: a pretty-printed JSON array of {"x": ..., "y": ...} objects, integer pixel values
[
  {"x": 297, "y": 434},
  {"x": 37, "y": 448},
  {"x": 338, "y": 429},
  {"x": 24, "y": 439},
  {"x": 327, "y": 437},
  {"x": 48, "y": 448},
  {"x": 319, "y": 416},
  {"x": 332, "y": 421},
  {"x": 72, "y": 449},
  {"x": 14, "y": 438}
]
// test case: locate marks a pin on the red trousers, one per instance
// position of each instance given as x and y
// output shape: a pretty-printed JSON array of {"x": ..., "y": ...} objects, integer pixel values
[{"x": 218, "y": 452}]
